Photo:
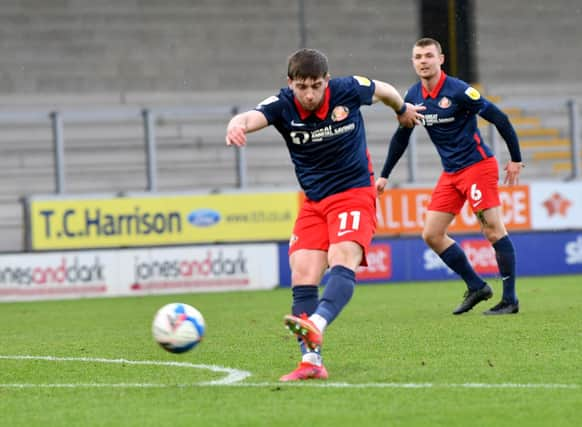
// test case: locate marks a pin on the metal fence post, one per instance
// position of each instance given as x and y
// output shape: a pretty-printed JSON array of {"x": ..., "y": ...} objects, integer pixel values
[
  {"x": 240, "y": 159},
  {"x": 574, "y": 138},
  {"x": 58, "y": 151},
  {"x": 412, "y": 159},
  {"x": 150, "y": 146},
  {"x": 302, "y": 24},
  {"x": 241, "y": 167}
]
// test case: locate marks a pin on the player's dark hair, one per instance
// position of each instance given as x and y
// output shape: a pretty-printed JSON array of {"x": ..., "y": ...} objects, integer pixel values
[
  {"x": 306, "y": 63},
  {"x": 427, "y": 41}
]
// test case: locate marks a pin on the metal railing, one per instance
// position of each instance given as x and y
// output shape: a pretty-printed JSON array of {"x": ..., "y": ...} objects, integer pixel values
[
  {"x": 149, "y": 118},
  {"x": 568, "y": 108}
]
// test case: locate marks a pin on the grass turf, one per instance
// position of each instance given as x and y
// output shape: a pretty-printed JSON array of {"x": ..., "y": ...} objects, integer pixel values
[{"x": 396, "y": 356}]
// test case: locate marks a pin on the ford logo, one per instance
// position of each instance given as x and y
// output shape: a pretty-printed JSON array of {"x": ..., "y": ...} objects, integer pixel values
[{"x": 203, "y": 218}]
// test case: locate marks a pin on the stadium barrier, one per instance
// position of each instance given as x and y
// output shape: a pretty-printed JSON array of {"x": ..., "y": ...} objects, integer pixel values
[
  {"x": 545, "y": 212},
  {"x": 137, "y": 220},
  {"x": 410, "y": 259},
  {"x": 138, "y": 272},
  {"x": 143, "y": 219},
  {"x": 223, "y": 268}
]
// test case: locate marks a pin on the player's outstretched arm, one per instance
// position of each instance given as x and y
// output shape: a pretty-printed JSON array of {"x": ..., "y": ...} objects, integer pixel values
[
  {"x": 243, "y": 123},
  {"x": 494, "y": 115},
  {"x": 396, "y": 149},
  {"x": 408, "y": 115},
  {"x": 501, "y": 121}
]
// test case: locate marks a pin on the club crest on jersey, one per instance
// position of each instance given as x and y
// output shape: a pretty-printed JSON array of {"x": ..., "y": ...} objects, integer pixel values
[
  {"x": 473, "y": 93},
  {"x": 444, "y": 102},
  {"x": 339, "y": 113}
]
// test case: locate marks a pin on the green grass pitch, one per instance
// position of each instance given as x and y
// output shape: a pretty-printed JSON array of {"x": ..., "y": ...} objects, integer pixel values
[{"x": 396, "y": 357}]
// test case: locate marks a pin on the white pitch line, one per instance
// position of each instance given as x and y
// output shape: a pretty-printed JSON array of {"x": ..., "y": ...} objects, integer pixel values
[
  {"x": 326, "y": 384},
  {"x": 84, "y": 385},
  {"x": 235, "y": 377}
]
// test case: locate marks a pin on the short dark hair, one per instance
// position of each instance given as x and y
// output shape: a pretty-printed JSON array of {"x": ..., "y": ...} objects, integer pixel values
[
  {"x": 306, "y": 63},
  {"x": 427, "y": 41}
]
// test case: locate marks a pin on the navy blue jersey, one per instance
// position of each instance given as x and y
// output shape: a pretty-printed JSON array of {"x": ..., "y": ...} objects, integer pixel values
[
  {"x": 450, "y": 119},
  {"x": 327, "y": 147}
]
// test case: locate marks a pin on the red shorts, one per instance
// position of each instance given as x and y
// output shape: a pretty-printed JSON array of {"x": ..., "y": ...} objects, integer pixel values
[
  {"x": 346, "y": 216},
  {"x": 477, "y": 183}
]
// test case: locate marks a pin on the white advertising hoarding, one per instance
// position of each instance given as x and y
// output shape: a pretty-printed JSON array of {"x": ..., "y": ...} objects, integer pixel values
[
  {"x": 201, "y": 269},
  {"x": 126, "y": 272},
  {"x": 556, "y": 205}
]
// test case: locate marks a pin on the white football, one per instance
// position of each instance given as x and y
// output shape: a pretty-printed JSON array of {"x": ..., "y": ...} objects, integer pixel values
[{"x": 178, "y": 327}]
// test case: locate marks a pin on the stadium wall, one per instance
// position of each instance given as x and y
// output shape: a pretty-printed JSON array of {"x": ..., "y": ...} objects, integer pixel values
[{"x": 84, "y": 46}]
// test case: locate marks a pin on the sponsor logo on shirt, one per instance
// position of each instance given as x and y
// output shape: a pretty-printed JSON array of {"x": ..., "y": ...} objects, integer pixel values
[
  {"x": 434, "y": 119},
  {"x": 329, "y": 132},
  {"x": 318, "y": 135}
]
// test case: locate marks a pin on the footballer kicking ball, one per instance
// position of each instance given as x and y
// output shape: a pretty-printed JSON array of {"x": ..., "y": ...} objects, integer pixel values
[{"x": 178, "y": 327}]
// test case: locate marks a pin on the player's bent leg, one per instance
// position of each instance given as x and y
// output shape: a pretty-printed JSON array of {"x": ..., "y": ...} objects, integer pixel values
[
  {"x": 307, "y": 266},
  {"x": 307, "y": 269},
  {"x": 478, "y": 290},
  {"x": 305, "y": 300},
  {"x": 435, "y": 228},
  {"x": 494, "y": 230},
  {"x": 306, "y": 371},
  {"x": 505, "y": 256}
]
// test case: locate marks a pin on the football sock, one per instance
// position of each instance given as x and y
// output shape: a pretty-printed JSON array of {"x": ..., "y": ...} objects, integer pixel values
[
  {"x": 337, "y": 292},
  {"x": 455, "y": 258},
  {"x": 318, "y": 321},
  {"x": 305, "y": 299},
  {"x": 313, "y": 358},
  {"x": 505, "y": 256}
]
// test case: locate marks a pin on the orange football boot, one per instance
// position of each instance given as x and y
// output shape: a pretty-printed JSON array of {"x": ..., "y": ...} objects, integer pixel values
[
  {"x": 305, "y": 329},
  {"x": 306, "y": 371}
]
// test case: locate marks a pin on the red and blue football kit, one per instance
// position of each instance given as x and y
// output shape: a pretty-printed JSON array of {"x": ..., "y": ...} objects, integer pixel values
[
  {"x": 332, "y": 163},
  {"x": 470, "y": 170}
]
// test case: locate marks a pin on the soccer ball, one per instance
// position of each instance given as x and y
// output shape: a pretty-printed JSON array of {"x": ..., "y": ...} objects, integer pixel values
[{"x": 178, "y": 327}]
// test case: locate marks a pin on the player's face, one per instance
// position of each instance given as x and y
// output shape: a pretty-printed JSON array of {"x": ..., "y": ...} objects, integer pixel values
[
  {"x": 427, "y": 61},
  {"x": 309, "y": 92}
]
